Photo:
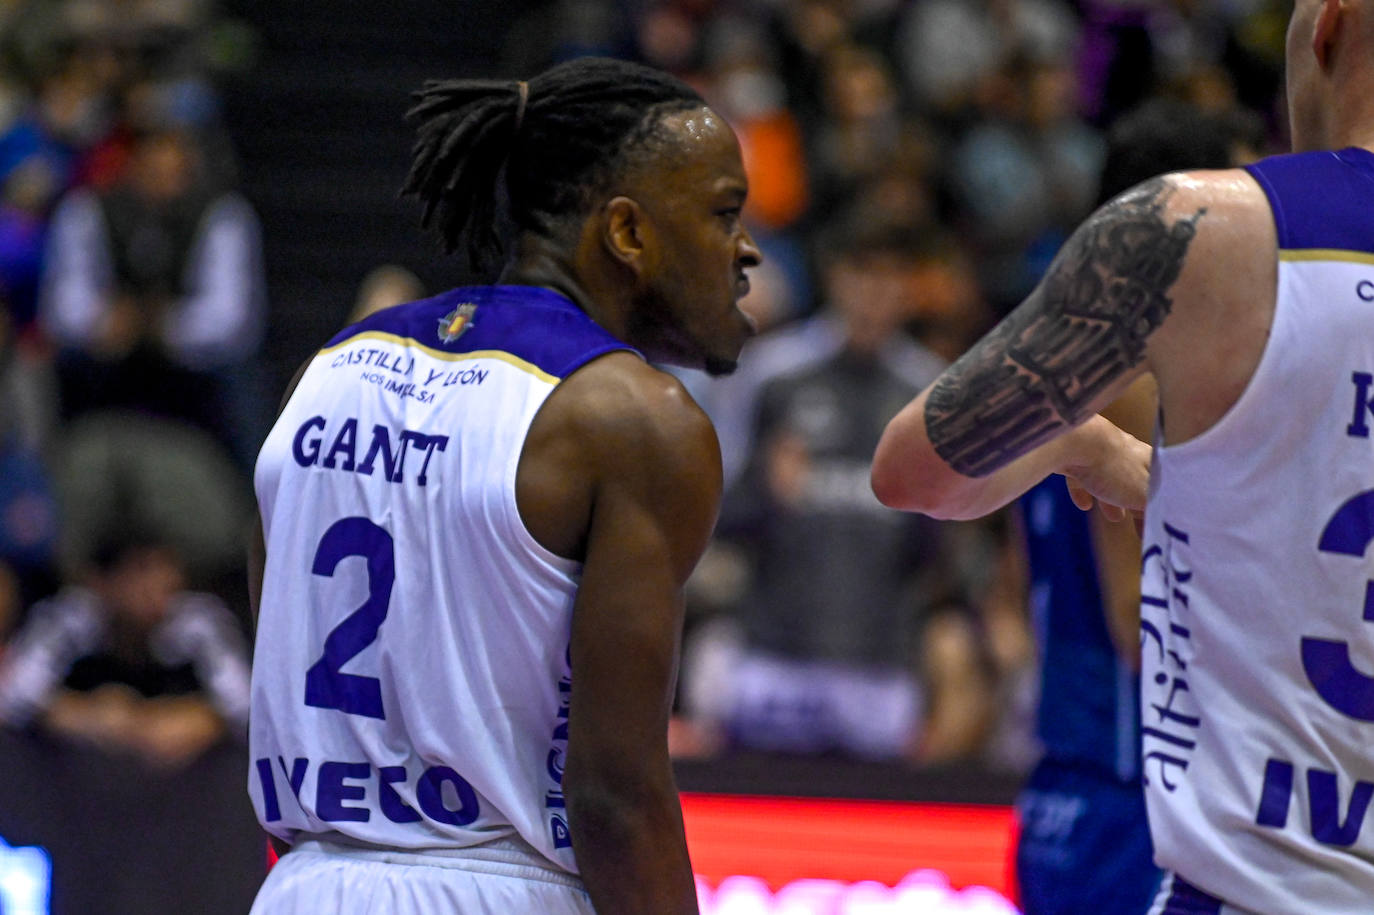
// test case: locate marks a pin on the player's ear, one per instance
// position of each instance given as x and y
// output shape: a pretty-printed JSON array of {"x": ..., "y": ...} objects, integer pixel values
[
  {"x": 1325, "y": 30},
  {"x": 626, "y": 233}
]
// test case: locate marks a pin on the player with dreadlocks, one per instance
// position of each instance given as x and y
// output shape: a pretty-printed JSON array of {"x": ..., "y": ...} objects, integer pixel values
[{"x": 479, "y": 511}]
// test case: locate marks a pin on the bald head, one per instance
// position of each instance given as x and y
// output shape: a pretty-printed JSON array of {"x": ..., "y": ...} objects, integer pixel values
[{"x": 1330, "y": 73}]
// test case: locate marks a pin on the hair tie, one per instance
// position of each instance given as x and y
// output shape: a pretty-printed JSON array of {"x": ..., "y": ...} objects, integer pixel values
[{"x": 520, "y": 108}]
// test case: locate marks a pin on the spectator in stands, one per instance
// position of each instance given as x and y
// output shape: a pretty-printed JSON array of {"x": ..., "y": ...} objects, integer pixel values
[
  {"x": 745, "y": 87},
  {"x": 25, "y": 195},
  {"x": 866, "y": 266},
  {"x": 154, "y": 290},
  {"x": 1025, "y": 172},
  {"x": 28, "y": 527},
  {"x": 68, "y": 114},
  {"x": 130, "y": 661},
  {"x": 861, "y": 129},
  {"x": 28, "y": 510},
  {"x": 949, "y": 310},
  {"x": 949, "y": 48},
  {"x": 830, "y": 660}
]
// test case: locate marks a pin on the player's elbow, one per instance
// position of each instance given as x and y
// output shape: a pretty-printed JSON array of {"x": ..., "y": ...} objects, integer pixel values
[
  {"x": 924, "y": 483},
  {"x": 899, "y": 482},
  {"x": 612, "y": 780},
  {"x": 887, "y": 485},
  {"x": 613, "y": 813},
  {"x": 907, "y": 474}
]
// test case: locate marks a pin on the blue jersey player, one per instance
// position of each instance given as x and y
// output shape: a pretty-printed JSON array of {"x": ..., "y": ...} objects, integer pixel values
[{"x": 1085, "y": 843}]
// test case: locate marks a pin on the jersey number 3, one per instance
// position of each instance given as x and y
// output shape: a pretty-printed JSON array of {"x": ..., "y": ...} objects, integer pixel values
[
  {"x": 326, "y": 686},
  {"x": 1326, "y": 661}
]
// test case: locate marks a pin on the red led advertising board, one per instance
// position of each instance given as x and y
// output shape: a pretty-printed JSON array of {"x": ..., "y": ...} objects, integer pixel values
[
  {"x": 805, "y": 856},
  {"x": 758, "y": 856}
]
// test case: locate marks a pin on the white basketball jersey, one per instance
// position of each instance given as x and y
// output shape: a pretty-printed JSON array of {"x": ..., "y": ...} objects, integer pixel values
[
  {"x": 1258, "y": 606},
  {"x": 411, "y": 675}
]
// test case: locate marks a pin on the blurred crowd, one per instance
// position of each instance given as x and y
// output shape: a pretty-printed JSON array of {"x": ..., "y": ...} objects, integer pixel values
[
  {"x": 133, "y": 303},
  {"x": 132, "y": 306},
  {"x": 914, "y": 166}
]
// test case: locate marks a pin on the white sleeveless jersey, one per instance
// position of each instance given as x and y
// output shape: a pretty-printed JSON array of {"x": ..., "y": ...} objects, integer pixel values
[
  {"x": 411, "y": 675},
  {"x": 1258, "y": 607}
]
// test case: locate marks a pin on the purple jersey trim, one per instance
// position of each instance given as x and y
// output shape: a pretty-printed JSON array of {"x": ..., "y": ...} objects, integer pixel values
[
  {"x": 1321, "y": 200},
  {"x": 537, "y": 325}
]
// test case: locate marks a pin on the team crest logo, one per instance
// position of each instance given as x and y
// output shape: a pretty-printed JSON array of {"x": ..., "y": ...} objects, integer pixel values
[{"x": 452, "y": 325}]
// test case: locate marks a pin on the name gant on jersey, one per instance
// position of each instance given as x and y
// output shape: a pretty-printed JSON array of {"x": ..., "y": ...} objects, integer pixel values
[{"x": 388, "y": 446}]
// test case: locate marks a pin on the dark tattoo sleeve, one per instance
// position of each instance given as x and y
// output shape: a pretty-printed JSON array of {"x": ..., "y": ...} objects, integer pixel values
[{"x": 1082, "y": 329}]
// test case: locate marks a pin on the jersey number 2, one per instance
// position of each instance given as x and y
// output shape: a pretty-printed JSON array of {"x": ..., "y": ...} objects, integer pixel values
[{"x": 326, "y": 686}]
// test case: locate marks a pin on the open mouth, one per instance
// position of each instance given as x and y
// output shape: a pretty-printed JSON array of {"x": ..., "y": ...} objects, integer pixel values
[{"x": 741, "y": 287}]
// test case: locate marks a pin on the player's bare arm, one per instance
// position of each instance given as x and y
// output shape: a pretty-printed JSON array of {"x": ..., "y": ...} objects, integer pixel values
[
  {"x": 1082, "y": 332},
  {"x": 972, "y": 441},
  {"x": 622, "y": 470}
]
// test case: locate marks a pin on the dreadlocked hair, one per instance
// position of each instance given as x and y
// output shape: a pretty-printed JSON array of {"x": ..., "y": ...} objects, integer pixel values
[{"x": 559, "y": 141}]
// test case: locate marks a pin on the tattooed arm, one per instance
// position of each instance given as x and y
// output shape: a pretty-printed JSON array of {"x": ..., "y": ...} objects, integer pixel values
[{"x": 1022, "y": 402}]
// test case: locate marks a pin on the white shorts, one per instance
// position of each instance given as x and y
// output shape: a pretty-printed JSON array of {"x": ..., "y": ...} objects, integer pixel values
[{"x": 499, "y": 878}]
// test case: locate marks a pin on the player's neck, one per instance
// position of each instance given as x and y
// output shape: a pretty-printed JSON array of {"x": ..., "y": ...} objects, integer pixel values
[
  {"x": 1363, "y": 136},
  {"x": 1343, "y": 139},
  {"x": 541, "y": 262},
  {"x": 1351, "y": 114}
]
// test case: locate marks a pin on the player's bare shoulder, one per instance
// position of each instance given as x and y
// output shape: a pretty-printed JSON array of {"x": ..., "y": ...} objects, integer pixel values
[
  {"x": 624, "y": 407},
  {"x": 1222, "y": 300},
  {"x": 1231, "y": 224},
  {"x": 617, "y": 420}
]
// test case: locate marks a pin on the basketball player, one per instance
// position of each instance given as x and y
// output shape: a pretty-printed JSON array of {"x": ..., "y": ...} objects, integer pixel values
[
  {"x": 1084, "y": 843},
  {"x": 1247, "y": 294},
  {"x": 480, "y": 510}
]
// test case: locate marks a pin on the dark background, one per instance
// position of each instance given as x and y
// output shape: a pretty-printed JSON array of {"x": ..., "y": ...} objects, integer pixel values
[{"x": 318, "y": 124}]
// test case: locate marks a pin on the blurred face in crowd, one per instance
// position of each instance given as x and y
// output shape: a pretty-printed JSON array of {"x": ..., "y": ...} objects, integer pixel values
[
  {"x": 1052, "y": 95},
  {"x": 163, "y": 166},
  {"x": 139, "y": 587},
  {"x": 859, "y": 85},
  {"x": 871, "y": 293},
  {"x": 947, "y": 304}
]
